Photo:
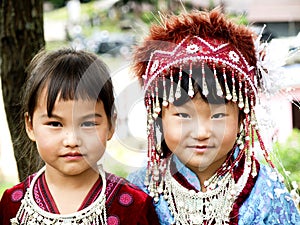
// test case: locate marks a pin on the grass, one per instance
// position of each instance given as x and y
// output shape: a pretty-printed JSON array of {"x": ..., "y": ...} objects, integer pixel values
[
  {"x": 87, "y": 11},
  {"x": 62, "y": 13},
  {"x": 4, "y": 186},
  {"x": 51, "y": 45}
]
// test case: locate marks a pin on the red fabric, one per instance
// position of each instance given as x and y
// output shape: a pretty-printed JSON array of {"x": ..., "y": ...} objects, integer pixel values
[
  {"x": 125, "y": 203},
  {"x": 246, "y": 191},
  {"x": 9, "y": 207}
]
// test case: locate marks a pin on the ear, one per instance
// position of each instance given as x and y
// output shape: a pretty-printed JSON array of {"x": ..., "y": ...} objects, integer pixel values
[
  {"x": 112, "y": 126},
  {"x": 29, "y": 127}
]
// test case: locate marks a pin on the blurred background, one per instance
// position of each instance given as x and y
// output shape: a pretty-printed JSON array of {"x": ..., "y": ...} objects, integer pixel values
[{"x": 111, "y": 29}]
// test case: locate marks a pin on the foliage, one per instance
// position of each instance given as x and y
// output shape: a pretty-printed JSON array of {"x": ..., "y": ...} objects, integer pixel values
[
  {"x": 152, "y": 2},
  {"x": 60, "y": 3},
  {"x": 87, "y": 12},
  {"x": 148, "y": 17},
  {"x": 288, "y": 154},
  {"x": 56, "y": 15},
  {"x": 4, "y": 186},
  {"x": 239, "y": 19},
  {"x": 57, "y": 3},
  {"x": 62, "y": 13}
]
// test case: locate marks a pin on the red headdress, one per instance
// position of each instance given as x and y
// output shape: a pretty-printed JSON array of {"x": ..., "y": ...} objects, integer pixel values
[{"x": 201, "y": 39}]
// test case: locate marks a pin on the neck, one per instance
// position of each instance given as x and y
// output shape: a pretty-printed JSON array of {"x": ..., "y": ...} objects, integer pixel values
[
  {"x": 205, "y": 174},
  {"x": 60, "y": 180},
  {"x": 69, "y": 191}
]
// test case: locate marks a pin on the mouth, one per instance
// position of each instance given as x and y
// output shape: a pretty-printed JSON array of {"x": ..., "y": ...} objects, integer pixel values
[
  {"x": 72, "y": 155},
  {"x": 199, "y": 148}
]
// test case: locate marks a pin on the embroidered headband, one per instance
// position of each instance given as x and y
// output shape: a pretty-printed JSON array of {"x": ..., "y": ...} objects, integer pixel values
[{"x": 195, "y": 50}]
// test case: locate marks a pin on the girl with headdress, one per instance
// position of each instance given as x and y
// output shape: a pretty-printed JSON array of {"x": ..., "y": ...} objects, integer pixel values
[
  {"x": 69, "y": 113},
  {"x": 202, "y": 77}
]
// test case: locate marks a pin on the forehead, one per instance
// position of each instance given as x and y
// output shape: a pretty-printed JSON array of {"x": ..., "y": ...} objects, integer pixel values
[
  {"x": 43, "y": 99},
  {"x": 70, "y": 106},
  {"x": 200, "y": 105}
]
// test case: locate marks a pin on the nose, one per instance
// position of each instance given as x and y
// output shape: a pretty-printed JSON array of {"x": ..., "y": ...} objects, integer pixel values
[
  {"x": 201, "y": 129},
  {"x": 71, "y": 139}
]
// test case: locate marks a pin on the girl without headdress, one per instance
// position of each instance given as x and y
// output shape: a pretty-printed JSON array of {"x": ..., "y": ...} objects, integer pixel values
[{"x": 69, "y": 113}]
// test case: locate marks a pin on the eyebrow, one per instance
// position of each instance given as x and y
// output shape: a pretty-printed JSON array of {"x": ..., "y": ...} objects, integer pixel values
[
  {"x": 52, "y": 116},
  {"x": 92, "y": 115}
]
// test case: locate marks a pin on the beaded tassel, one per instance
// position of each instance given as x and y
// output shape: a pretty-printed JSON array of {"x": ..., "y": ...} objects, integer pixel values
[
  {"x": 191, "y": 90},
  {"x": 254, "y": 169},
  {"x": 154, "y": 114},
  {"x": 241, "y": 100},
  {"x": 154, "y": 151},
  {"x": 253, "y": 119},
  {"x": 234, "y": 95},
  {"x": 178, "y": 89},
  {"x": 246, "y": 108},
  {"x": 263, "y": 148},
  {"x": 204, "y": 84},
  {"x": 157, "y": 108},
  {"x": 171, "y": 95},
  {"x": 165, "y": 102},
  {"x": 240, "y": 139},
  {"x": 154, "y": 111},
  {"x": 247, "y": 133},
  {"x": 228, "y": 94},
  {"x": 218, "y": 87}
]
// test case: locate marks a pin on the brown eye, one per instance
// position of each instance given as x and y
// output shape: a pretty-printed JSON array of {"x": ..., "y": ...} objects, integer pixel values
[
  {"x": 54, "y": 124},
  {"x": 183, "y": 115},
  {"x": 89, "y": 124},
  {"x": 218, "y": 115}
]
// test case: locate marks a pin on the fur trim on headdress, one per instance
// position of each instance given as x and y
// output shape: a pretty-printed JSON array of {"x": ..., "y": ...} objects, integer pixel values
[{"x": 203, "y": 24}]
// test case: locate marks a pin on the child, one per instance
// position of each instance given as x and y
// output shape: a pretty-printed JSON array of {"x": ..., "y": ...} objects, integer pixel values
[
  {"x": 202, "y": 75},
  {"x": 69, "y": 114}
]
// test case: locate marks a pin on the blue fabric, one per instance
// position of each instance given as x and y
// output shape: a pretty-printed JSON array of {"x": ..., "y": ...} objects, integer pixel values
[{"x": 269, "y": 202}]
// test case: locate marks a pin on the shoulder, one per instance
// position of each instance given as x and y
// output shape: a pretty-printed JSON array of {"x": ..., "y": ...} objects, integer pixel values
[
  {"x": 17, "y": 192},
  {"x": 269, "y": 201},
  {"x": 137, "y": 178},
  {"x": 161, "y": 207},
  {"x": 272, "y": 182},
  {"x": 126, "y": 188},
  {"x": 11, "y": 201},
  {"x": 125, "y": 199}
]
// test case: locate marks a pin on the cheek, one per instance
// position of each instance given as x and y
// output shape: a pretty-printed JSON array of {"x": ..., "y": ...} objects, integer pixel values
[
  {"x": 47, "y": 147},
  {"x": 229, "y": 133},
  {"x": 173, "y": 135},
  {"x": 46, "y": 139},
  {"x": 96, "y": 139}
]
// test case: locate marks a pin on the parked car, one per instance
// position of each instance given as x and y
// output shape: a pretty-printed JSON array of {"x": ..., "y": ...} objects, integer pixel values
[{"x": 114, "y": 44}]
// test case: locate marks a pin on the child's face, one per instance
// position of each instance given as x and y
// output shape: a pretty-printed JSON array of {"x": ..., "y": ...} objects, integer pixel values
[
  {"x": 201, "y": 134},
  {"x": 74, "y": 138}
]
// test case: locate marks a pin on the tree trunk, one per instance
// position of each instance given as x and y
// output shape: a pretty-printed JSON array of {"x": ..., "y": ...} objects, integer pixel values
[{"x": 21, "y": 37}]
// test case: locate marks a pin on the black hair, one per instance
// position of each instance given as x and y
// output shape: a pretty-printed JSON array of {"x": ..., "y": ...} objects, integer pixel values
[{"x": 70, "y": 75}]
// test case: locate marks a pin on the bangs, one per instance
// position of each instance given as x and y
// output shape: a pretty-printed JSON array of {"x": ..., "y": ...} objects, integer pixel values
[{"x": 73, "y": 79}]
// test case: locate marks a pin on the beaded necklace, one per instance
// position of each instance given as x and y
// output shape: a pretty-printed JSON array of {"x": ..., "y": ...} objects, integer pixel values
[
  {"x": 31, "y": 213},
  {"x": 211, "y": 207}
]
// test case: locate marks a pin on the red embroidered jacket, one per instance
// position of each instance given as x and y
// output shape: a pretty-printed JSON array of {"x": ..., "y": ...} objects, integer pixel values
[{"x": 125, "y": 203}]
